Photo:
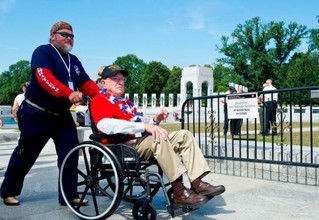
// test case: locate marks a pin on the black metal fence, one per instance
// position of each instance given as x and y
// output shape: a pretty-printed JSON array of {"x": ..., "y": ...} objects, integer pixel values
[{"x": 291, "y": 137}]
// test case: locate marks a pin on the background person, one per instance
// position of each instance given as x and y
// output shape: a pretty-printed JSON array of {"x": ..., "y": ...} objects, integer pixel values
[
  {"x": 262, "y": 112},
  {"x": 18, "y": 100},
  {"x": 231, "y": 90},
  {"x": 237, "y": 122},
  {"x": 45, "y": 113},
  {"x": 270, "y": 102},
  {"x": 113, "y": 113}
]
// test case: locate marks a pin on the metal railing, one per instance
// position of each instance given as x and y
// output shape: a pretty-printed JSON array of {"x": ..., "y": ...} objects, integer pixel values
[{"x": 293, "y": 139}]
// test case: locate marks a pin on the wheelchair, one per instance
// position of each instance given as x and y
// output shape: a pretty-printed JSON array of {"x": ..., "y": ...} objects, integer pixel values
[{"x": 108, "y": 173}]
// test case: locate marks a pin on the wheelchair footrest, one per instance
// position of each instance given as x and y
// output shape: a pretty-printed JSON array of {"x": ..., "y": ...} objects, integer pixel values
[{"x": 176, "y": 210}]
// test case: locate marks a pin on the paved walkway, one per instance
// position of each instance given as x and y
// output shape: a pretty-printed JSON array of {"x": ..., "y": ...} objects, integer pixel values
[{"x": 244, "y": 198}]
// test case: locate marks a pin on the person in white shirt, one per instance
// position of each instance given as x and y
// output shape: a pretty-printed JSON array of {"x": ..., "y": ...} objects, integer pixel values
[
  {"x": 18, "y": 100},
  {"x": 238, "y": 122},
  {"x": 270, "y": 102}
]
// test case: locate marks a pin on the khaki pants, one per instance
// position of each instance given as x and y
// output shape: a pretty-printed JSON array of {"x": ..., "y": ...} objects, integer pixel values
[{"x": 178, "y": 155}]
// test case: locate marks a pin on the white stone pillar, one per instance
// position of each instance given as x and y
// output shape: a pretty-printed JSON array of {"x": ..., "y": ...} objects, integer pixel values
[
  {"x": 178, "y": 100},
  {"x": 153, "y": 100},
  {"x": 162, "y": 100},
  {"x": 136, "y": 99},
  {"x": 170, "y": 100},
  {"x": 144, "y": 100}
]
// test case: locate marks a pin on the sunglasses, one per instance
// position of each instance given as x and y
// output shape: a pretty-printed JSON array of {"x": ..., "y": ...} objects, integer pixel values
[{"x": 65, "y": 34}]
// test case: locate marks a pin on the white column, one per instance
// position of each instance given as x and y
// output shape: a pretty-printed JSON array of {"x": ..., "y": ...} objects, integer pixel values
[
  {"x": 170, "y": 100},
  {"x": 144, "y": 100},
  {"x": 162, "y": 99},
  {"x": 153, "y": 100},
  {"x": 178, "y": 100},
  {"x": 136, "y": 99}
]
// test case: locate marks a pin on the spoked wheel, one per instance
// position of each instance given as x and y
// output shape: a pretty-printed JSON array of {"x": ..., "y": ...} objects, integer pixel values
[
  {"x": 100, "y": 180},
  {"x": 135, "y": 183},
  {"x": 143, "y": 210}
]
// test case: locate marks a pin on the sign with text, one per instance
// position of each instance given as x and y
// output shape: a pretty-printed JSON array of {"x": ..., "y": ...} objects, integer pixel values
[
  {"x": 243, "y": 105},
  {"x": 314, "y": 94}
]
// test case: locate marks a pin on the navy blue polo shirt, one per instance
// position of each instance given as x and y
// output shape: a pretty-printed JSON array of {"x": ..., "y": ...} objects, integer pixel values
[{"x": 46, "y": 56}]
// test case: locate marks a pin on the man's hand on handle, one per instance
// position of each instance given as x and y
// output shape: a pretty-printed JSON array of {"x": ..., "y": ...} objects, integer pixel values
[{"x": 76, "y": 98}]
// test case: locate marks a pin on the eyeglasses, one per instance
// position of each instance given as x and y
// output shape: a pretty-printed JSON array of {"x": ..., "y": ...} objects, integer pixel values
[
  {"x": 65, "y": 34},
  {"x": 117, "y": 79}
]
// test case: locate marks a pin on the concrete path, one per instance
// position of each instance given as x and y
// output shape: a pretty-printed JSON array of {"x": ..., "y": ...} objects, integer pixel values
[{"x": 244, "y": 198}]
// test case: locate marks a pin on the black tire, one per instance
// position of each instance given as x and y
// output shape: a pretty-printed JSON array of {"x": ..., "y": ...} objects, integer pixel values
[
  {"x": 149, "y": 213},
  {"x": 96, "y": 166}
]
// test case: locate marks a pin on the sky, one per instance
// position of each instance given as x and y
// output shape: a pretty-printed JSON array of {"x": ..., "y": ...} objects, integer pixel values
[{"x": 173, "y": 32}]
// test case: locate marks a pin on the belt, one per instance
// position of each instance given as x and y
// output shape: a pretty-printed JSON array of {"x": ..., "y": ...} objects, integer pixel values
[{"x": 40, "y": 108}]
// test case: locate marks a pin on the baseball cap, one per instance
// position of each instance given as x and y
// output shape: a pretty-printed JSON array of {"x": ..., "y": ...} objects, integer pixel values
[
  {"x": 60, "y": 25},
  {"x": 112, "y": 70}
]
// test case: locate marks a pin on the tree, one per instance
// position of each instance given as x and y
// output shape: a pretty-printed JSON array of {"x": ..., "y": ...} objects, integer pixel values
[
  {"x": 154, "y": 78},
  {"x": 173, "y": 84},
  {"x": 303, "y": 71},
  {"x": 286, "y": 40},
  {"x": 11, "y": 81},
  {"x": 223, "y": 75},
  {"x": 313, "y": 43},
  {"x": 259, "y": 51}
]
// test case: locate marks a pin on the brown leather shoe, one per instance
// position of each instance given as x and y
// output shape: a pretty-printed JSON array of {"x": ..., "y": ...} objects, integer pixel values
[
  {"x": 77, "y": 202},
  {"x": 11, "y": 201},
  {"x": 190, "y": 198},
  {"x": 209, "y": 190}
]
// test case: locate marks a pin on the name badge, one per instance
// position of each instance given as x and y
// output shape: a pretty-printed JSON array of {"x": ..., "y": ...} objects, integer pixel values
[{"x": 71, "y": 86}]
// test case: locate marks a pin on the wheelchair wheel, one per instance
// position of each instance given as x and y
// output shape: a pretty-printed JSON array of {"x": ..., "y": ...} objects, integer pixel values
[
  {"x": 142, "y": 213},
  {"x": 135, "y": 183},
  {"x": 96, "y": 166}
]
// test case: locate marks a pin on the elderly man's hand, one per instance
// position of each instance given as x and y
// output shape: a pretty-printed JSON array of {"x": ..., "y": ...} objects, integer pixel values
[
  {"x": 157, "y": 132},
  {"x": 161, "y": 115}
]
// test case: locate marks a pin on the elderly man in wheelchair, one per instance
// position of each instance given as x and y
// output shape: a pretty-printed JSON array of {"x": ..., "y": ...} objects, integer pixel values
[
  {"x": 112, "y": 113},
  {"x": 102, "y": 170}
]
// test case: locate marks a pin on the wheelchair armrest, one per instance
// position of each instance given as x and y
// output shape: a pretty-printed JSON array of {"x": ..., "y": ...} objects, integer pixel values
[
  {"x": 98, "y": 136},
  {"x": 118, "y": 138}
]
